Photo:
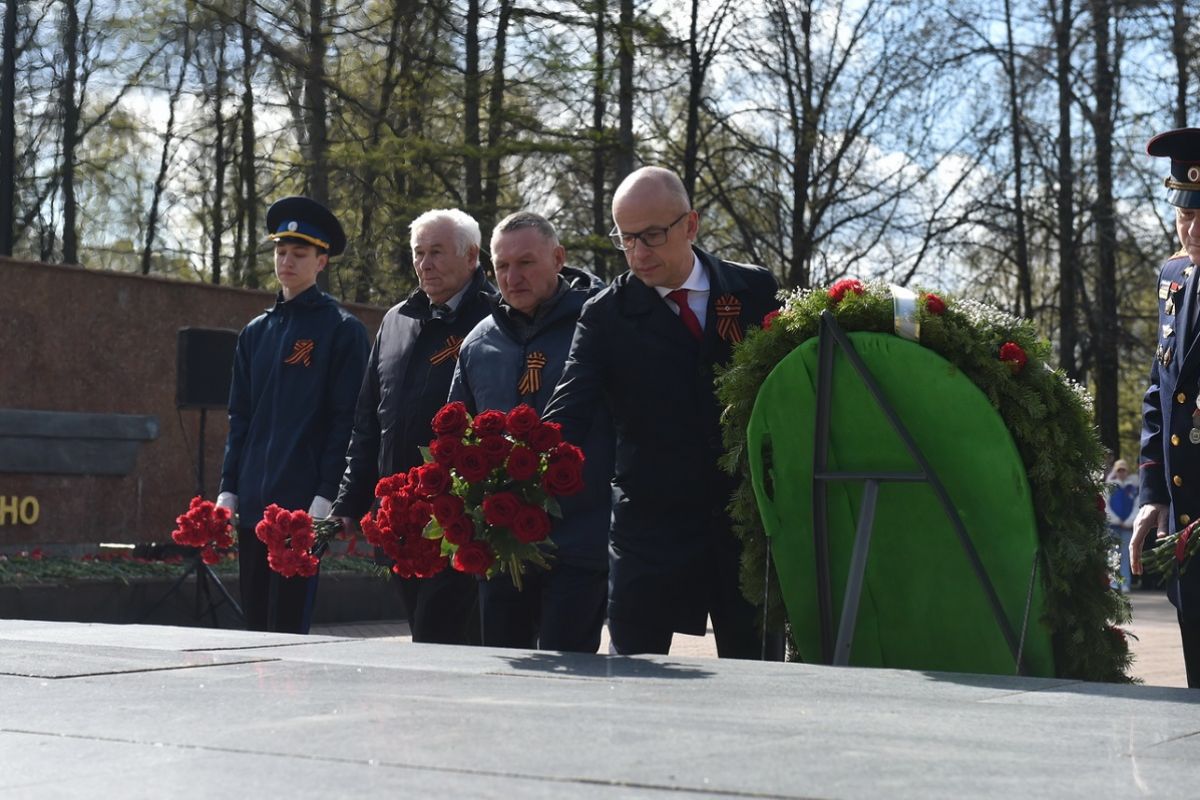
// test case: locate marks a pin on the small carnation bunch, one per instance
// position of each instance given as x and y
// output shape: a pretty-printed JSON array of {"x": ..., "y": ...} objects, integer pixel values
[
  {"x": 294, "y": 540},
  {"x": 206, "y": 526},
  {"x": 398, "y": 524}
]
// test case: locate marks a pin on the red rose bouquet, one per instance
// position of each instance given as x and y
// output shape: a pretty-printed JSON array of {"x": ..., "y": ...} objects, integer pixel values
[
  {"x": 294, "y": 540},
  {"x": 206, "y": 526},
  {"x": 490, "y": 485}
]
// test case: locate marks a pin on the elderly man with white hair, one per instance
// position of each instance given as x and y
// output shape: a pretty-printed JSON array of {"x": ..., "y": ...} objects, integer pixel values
[{"x": 408, "y": 378}]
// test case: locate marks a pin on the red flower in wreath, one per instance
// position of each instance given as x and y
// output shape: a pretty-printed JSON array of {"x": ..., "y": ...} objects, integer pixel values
[
  {"x": 1012, "y": 354},
  {"x": 934, "y": 304},
  {"x": 839, "y": 288},
  {"x": 769, "y": 318}
]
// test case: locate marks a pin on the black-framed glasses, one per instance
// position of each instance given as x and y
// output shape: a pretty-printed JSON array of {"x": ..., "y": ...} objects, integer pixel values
[{"x": 651, "y": 237}]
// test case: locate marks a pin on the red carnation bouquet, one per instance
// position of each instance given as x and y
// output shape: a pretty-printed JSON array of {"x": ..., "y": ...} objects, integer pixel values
[
  {"x": 294, "y": 540},
  {"x": 487, "y": 491},
  {"x": 398, "y": 526},
  {"x": 1174, "y": 550},
  {"x": 206, "y": 526}
]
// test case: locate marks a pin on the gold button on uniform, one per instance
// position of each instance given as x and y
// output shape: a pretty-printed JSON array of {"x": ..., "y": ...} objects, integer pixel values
[
  {"x": 1178, "y": 481},
  {"x": 1184, "y": 519},
  {"x": 1174, "y": 440},
  {"x": 1181, "y": 397}
]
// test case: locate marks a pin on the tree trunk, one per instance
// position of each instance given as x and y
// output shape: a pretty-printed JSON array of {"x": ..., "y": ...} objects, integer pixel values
[
  {"x": 70, "y": 134},
  {"x": 1024, "y": 280},
  {"x": 8, "y": 129},
  {"x": 1106, "y": 232},
  {"x": 691, "y": 145},
  {"x": 491, "y": 193},
  {"x": 471, "y": 102},
  {"x": 249, "y": 180},
  {"x": 1180, "y": 21},
  {"x": 314, "y": 102},
  {"x": 1068, "y": 267},
  {"x": 217, "y": 218},
  {"x": 164, "y": 162},
  {"x": 624, "y": 160},
  {"x": 600, "y": 225}
]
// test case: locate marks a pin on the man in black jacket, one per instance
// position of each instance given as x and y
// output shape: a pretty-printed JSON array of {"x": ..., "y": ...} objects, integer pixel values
[
  {"x": 408, "y": 378},
  {"x": 647, "y": 346}
]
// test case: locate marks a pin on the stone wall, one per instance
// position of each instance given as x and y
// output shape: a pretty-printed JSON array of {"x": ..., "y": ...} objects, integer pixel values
[{"x": 102, "y": 346}]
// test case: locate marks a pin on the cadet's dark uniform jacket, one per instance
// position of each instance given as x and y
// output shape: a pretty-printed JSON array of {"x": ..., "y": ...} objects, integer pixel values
[
  {"x": 671, "y": 540},
  {"x": 1170, "y": 457},
  {"x": 296, "y": 374}
]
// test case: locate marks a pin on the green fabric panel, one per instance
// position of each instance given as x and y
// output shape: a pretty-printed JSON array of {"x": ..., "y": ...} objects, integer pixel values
[{"x": 922, "y": 606}]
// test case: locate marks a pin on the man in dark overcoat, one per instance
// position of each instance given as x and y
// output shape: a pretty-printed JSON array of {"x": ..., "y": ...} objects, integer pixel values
[
  {"x": 647, "y": 346},
  {"x": 407, "y": 380},
  {"x": 1170, "y": 457}
]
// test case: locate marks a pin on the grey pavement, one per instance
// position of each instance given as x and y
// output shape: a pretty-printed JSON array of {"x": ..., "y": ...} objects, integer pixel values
[
  {"x": 99, "y": 710},
  {"x": 1154, "y": 639}
]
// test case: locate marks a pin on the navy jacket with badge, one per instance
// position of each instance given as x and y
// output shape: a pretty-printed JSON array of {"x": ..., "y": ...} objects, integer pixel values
[
  {"x": 407, "y": 380},
  {"x": 491, "y": 363},
  {"x": 296, "y": 374},
  {"x": 671, "y": 533},
  {"x": 1170, "y": 461}
]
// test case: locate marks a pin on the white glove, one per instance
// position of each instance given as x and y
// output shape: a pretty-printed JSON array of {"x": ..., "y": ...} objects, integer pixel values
[
  {"x": 227, "y": 500},
  {"x": 320, "y": 508}
]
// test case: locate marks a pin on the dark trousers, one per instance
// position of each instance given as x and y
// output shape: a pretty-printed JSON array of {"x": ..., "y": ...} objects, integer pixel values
[
  {"x": 734, "y": 619},
  {"x": 271, "y": 602},
  {"x": 1189, "y": 631},
  {"x": 443, "y": 609},
  {"x": 560, "y": 609}
]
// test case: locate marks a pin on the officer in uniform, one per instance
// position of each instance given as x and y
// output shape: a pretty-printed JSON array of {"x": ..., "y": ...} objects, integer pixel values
[
  {"x": 1170, "y": 447},
  {"x": 296, "y": 375}
]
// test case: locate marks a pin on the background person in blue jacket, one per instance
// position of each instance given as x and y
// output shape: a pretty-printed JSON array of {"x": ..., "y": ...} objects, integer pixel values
[
  {"x": 291, "y": 407},
  {"x": 408, "y": 378},
  {"x": 516, "y": 356}
]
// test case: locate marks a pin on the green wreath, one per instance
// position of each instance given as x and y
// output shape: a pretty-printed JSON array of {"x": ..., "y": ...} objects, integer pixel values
[{"x": 1050, "y": 420}]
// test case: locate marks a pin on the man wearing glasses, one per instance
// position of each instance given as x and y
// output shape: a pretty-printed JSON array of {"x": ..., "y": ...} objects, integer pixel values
[{"x": 646, "y": 346}]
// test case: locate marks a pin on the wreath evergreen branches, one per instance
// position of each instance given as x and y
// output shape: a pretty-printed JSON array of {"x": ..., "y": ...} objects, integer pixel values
[{"x": 1048, "y": 415}]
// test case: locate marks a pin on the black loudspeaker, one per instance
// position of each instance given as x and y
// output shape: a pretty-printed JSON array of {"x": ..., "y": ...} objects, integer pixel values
[{"x": 204, "y": 367}]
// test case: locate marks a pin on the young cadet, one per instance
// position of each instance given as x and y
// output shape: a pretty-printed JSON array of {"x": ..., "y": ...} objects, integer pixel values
[{"x": 296, "y": 375}]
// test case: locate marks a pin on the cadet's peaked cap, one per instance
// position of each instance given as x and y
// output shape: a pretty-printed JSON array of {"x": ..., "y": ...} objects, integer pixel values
[
  {"x": 305, "y": 220},
  {"x": 1182, "y": 146}
]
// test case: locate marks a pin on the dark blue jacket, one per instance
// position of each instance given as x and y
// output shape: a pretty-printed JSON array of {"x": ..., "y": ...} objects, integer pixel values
[
  {"x": 1170, "y": 462},
  {"x": 490, "y": 366},
  {"x": 296, "y": 374},
  {"x": 671, "y": 533},
  {"x": 407, "y": 380}
]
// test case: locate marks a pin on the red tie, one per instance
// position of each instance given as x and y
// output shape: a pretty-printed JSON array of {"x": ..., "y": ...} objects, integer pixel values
[{"x": 680, "y": 298}]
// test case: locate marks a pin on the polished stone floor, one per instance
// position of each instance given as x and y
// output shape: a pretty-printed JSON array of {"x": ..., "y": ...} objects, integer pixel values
[{"x": 143, "y": 711}]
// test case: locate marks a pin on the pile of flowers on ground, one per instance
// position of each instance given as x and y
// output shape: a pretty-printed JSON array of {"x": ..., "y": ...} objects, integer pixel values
[
  {"x": 1048, "y": 415},
  {"x": 205, "y": 526}
]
